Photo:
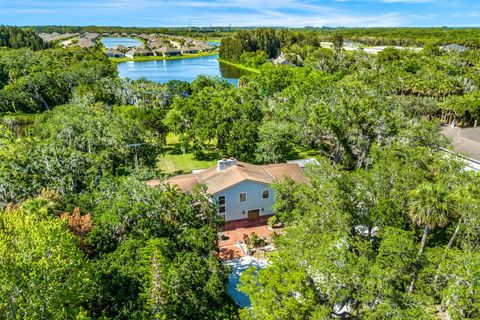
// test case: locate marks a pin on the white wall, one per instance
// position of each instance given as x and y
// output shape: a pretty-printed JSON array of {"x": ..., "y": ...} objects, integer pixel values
[{"x": 235, "y": 209}]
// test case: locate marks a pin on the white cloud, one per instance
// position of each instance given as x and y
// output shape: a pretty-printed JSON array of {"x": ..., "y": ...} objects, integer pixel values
[{"x": 290, "y": 13}]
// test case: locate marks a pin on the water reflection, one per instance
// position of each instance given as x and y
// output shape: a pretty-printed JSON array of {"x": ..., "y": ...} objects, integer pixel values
[{"x": 181, "y": 69}]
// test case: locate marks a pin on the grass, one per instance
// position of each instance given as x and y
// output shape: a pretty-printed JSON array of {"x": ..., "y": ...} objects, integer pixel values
[
  {"x": 174, "y": 161},
  {"x": 182, "y": 163},
  {"x": 239, "y": 66},
  {"x": 151, "y": 58}
]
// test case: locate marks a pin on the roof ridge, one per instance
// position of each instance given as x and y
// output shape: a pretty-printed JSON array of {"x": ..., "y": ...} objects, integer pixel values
[{"x": 263, "y": 167}]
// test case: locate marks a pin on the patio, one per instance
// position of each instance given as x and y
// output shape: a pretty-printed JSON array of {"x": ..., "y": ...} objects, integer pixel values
[{"x": 229, "y": 249}]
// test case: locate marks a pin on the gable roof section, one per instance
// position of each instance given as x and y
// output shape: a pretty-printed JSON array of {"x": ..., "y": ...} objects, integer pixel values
[{"x": 217, "y": 181}]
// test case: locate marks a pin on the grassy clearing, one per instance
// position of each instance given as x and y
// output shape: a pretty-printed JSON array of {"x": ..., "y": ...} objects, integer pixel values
[
  {"x": 152, "y": 58},
  {"x": 239, "y": 66},
  {"x": 174, "y": 161},
  {"x": 182, "y": 163}
]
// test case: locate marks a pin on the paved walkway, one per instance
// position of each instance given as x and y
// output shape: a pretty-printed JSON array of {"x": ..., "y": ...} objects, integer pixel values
[{"x": 229, "y": 249}]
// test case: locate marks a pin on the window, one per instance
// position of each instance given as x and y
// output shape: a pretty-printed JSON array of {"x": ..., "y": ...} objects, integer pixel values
[
  {"x": 243, "y": 196},
  {"x": 221, "y": 200},
  {"x": 265, "y": 194},
  {"x": 221, "y": 205}
]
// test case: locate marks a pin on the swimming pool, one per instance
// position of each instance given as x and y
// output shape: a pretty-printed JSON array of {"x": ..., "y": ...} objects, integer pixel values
[{"x": 238, "y": 266}]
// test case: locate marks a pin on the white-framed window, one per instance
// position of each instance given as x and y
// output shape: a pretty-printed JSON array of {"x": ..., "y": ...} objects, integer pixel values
[
  {"x": 221, "y": 205},
  {"x": 265, "y": 194},
  {"x": 242, "y": 196}
]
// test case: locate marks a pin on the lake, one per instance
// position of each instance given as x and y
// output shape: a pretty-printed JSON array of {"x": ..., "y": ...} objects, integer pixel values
[
  {"x": 115, "y": 41},
  {"x": 186, "y": 69}
]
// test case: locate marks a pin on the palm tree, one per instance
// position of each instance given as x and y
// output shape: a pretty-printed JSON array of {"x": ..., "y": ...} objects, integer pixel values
[
  {"x": 466, "y": 198},
  {"x": 431, "y": 206}
]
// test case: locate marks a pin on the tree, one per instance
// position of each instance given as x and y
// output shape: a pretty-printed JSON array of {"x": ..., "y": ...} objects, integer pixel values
[
  {"x": 337, "y": 41},
  {"x": 44, "y": 274},
  {"x": 431, "y": 206}
]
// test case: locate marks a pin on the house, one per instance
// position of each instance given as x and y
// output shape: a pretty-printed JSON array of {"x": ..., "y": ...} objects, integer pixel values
[
  {"x": 190, "y": 50},
  {"x": 241, "y": 190},
  {"x": 454, "y": 47},
  {"x": 138, "y": 52},
  {"x": 466, "y": 144},
  {"x": 112, "y": 53},
  {"x": 290, "y": 59},
  {"x": 120, "y": 47},
  {"x": 84, "y": 43},
  {"x": 168, "y": 52}
]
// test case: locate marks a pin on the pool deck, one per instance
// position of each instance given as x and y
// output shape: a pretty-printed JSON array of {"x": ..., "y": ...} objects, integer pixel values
[{"x": 229, "y": 249}]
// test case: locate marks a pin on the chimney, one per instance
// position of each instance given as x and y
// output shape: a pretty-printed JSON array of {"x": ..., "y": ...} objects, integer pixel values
[{"x": 224, "y": 164}]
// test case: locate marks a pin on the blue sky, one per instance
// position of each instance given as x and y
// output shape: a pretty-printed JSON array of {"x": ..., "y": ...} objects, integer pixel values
[{"x": 291, "y": 13}]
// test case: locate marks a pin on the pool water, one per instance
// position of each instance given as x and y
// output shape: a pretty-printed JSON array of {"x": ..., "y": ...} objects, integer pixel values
[{"x": 238, "y": 266}]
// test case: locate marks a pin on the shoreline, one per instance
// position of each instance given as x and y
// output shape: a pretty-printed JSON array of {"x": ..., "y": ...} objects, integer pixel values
[
  {"x": 153, "y": 58},
  {"x": 239, "y": 66}
]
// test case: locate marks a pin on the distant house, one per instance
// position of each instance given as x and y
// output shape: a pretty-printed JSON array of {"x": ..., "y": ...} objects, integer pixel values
[
  {"x": 91, "y": 35},
  {"x": 190, "y": 50},
  {"x": 85, "y": 43},
  {"x": 454, "y": 47},
  {"x": 241, "y": 190},
  {"x": 138, "y": 52},
  {"x": 120, "y": 47},
  {"x": 168, "y": 52},
  {"x": 289, "y": 59},
  {"x": 112, "y": 53},
  {"x": 157, "y": 43}
]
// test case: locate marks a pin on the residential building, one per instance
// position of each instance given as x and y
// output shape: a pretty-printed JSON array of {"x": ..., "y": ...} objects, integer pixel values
[
  {"x": 168, "y": 52},
  {"x": 138, "y": 52},
  {"x": 241, "y": 190},
  {"x": 112, "y": 53}
]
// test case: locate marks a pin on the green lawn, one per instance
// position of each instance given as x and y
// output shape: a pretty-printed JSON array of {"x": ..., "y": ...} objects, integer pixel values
[
  {"x": 239, "y": 66},
  {"x": 175, "y": 161},
  {"x": 182, "y": 163}
]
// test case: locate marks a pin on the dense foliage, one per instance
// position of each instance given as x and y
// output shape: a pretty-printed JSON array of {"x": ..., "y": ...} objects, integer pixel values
[
  {"x": 20, "y": 38},
  {"x": 387, "y": 229},
  {"x": 355, "y": 248},
  {"x": 34, "y": 81}
]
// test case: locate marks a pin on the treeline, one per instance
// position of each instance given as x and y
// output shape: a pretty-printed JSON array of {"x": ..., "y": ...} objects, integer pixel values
[
  {"x": 468, "y": 37},
  {"x": 181, "y": 31},
  {"x": 11, "y": 37},
  {"x": 35, "y": 81},
  {"x": 272, "y": 41}
]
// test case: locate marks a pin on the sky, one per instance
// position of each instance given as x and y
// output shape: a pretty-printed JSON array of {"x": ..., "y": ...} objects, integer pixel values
[{"x": 287, "y": 13}]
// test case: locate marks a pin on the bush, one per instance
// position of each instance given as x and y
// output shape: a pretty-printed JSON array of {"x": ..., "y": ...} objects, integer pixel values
[{"x": 272, "y": 221}]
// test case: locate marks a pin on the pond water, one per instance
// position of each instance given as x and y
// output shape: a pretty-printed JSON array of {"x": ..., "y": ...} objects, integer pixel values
[
  {"x": 213, "y": 43},
  {"x": 115, "y": 41},
  {"x": 186, "y": 69},
  {"x": 238, "y": 266}
]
